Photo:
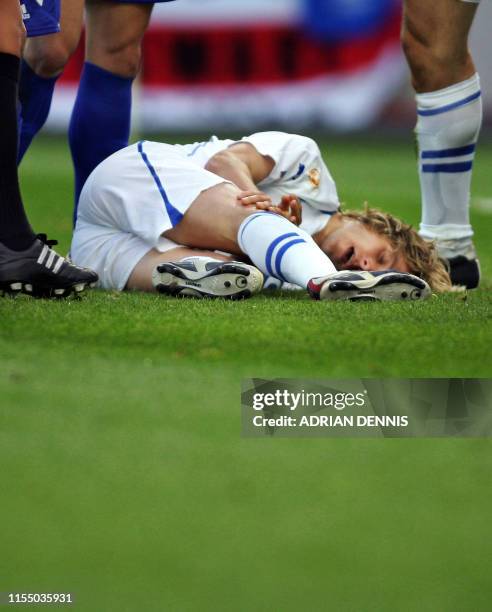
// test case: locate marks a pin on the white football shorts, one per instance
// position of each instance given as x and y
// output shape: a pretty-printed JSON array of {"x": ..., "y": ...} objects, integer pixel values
[{"x": 128, "y": 201}]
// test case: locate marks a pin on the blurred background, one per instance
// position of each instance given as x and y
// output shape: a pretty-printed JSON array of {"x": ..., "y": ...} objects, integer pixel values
[{"x": 233, "y": 65}]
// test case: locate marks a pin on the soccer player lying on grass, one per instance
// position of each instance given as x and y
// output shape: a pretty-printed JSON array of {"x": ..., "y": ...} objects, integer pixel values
[{"x": 151, "y": 205}]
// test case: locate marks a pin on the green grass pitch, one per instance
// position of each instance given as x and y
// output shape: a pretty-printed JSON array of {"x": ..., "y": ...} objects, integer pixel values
[{"x": 123, "y": 474}]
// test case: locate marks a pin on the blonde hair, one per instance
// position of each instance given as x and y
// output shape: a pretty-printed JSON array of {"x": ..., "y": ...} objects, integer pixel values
[{"x": 420, "y": 255}]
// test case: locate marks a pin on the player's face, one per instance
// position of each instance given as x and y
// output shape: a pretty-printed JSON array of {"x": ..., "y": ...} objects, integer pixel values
[{"x": 351, "y": 246}]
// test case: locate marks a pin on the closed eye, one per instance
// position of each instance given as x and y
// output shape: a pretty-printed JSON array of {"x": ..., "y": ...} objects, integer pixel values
[
  {"x": 349, "y": 255},
  {"x": 384, "y": 259}
]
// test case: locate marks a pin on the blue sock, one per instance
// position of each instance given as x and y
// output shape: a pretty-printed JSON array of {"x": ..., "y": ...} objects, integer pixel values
[
  {"x": 35, "y": 94},
  {"x": 100, "y": 122}
]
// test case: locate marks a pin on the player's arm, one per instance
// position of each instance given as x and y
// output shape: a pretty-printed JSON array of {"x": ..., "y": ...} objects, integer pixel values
[
  {"x": 244, "y": 166},
  {"x": 241, "y": 164}
]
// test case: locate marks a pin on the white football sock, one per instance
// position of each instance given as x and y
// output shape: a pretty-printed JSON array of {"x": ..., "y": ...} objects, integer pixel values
[
  {"x": 280, "y": 249},
  {"x": 447, "y": 129}
]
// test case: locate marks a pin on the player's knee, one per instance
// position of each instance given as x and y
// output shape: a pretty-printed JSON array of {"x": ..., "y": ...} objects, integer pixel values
[{"x": 49, "y": 60}]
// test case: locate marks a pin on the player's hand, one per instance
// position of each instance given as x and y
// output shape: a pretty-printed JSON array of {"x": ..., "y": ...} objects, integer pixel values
[
  {"x": 290, "y": 207},
  {"x": 258, "y": 199}
]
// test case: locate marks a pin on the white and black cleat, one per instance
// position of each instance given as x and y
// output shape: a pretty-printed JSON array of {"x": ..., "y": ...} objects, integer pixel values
[
  {"x": 363, "y": 286},
  {"x": 39, "y": 271},
  {"x": 204, "y": 277}
]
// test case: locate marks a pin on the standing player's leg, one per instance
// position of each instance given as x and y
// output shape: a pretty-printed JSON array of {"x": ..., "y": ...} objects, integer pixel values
[
  {"x": 43, "y": 62},
  {"x": 435, "y": 42},
  {"x": 26, "y": 262},
  {"x": 15, "y": 231},
  {"x": 100, "y": 123}
]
